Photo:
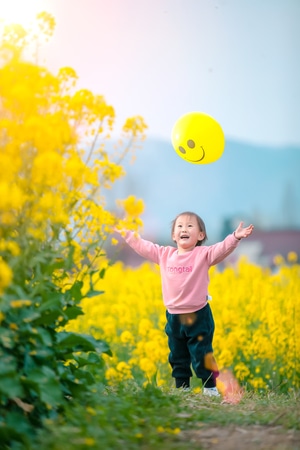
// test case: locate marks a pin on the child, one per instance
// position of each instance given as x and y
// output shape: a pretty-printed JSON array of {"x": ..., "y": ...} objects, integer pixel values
[{"x": 184, "y": 276}]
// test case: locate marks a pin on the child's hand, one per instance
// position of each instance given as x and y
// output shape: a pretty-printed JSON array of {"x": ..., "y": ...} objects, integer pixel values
[{"x": 242, "y": 232}]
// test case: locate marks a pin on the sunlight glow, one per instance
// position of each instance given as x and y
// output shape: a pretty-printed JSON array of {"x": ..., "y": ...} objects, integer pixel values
[{"x": 21, "y": 12}]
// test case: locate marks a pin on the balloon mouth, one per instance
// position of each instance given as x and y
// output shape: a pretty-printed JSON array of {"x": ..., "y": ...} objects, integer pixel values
[{"x": 183, "y": 152}]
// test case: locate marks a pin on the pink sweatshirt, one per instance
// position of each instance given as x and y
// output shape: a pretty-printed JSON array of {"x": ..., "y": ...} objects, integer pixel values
[{"x": 184, "y": 277}]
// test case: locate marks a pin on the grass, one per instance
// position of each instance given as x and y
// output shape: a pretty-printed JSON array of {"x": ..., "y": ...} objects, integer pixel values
[{"x": 148, "y": 418}]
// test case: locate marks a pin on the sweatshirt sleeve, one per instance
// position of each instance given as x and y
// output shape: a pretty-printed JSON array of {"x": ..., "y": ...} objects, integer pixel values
[
  {"x": 218, "y": 252},
  {"x": 142, "y": 247}
]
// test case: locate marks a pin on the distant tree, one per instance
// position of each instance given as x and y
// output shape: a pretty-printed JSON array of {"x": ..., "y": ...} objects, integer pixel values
[
  {"x": 226, "y": 228},
  {"x": 289, "y": 208}
]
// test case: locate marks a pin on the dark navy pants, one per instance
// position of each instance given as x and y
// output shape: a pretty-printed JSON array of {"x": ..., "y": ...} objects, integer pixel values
[{"x": 190, "y": 338}]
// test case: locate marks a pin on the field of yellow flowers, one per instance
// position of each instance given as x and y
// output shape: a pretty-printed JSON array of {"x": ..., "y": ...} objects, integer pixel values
[
  {"x": 72, "y": 322},
  {"x": 257, "y": 315}
]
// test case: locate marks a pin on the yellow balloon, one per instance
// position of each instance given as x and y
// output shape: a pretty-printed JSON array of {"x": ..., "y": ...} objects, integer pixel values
[{"x": 198, "y": 138}]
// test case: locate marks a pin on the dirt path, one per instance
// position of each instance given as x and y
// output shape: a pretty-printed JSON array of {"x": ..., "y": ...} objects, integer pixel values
[{"x": 253, "y": 437}]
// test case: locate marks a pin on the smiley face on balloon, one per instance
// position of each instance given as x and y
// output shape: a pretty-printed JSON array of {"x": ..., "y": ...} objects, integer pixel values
[{"x": 198, "y": 138}]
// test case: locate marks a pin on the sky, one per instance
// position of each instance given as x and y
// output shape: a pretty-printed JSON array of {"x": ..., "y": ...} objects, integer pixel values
[{"x": 236, "y": 60}]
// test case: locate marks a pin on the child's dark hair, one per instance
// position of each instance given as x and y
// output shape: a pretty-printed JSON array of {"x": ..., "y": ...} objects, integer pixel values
[{"x": 199, "y": 221}]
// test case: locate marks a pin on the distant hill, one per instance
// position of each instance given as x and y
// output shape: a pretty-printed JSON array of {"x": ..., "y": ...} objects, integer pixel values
[{"x": 252, "y": 183}]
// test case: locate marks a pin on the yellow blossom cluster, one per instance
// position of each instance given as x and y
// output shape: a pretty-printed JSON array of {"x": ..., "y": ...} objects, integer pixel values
[
  {"x": 6, "y": 275},
  {"x": 256, "y": 311},
  {"x": 130, "y": 317},
  {"x": 257, "y": 316},
  {"x": 53, "y": 166}
]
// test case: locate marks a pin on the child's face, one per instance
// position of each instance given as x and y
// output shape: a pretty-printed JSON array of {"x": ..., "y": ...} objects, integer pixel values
[{"x": 187, "y": 233}]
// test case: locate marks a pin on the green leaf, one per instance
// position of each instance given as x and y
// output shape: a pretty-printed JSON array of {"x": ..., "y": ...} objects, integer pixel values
[
  {"x": 50, "y": 310},
  {"x": 55, "y": 302},
  {"x": 16, "y": 428},
  {"x": 94, "y": 293},
  {"x": 48, "y": 317},
  {"x": 84, "y": 377},
  {"x": 19, "y": 292},
  {"x": 44, "y": 336},
  {"x": 80, "y": 342},
  {"x": 10, "y": 386},
  {"x": 90, "y": 359},
  {"x": 102, "y": 273},
  {"x": 43, "y": 353},
  {"x": 7, "y": 338},
  {"x": 29, "y": 363},
  {"x": 75, "y": 342},
  {"x": 28, "y": 315},
  {"x": 73, "y": 311},
  {"x": 70, "y": 258},
  {"x": 75, "y": 291},
  {"x": 93, "y": 358},
  {"x": 48, "y": 385},
  {"x": 8, "y": 364}
]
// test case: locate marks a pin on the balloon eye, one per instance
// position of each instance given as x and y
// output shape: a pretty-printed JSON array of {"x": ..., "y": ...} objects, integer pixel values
[
  {"x": 191, "y": 143},
  {"x": 181, "y": 149}
]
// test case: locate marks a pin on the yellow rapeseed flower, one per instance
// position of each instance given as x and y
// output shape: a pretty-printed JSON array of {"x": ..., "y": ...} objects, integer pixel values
[
  {"x": 6, "y": 275},
  {"x": 11, "y": 196},
  {"x": 132, "y": 206},
  {"x": 20, "y": 303},
  {"x": 114, "y": 241},
  {"x": 278, "y": 260},
  {"x": 89, "y": 441},
  {"x": 292, "y": 257},
  {"x": 91, "y": 411},
  {"x": 148, "y": 367},
  {"x": 136, "y": 125},
  {"x": 127, "y": 337},
  {"x": 124, "y": 370}
]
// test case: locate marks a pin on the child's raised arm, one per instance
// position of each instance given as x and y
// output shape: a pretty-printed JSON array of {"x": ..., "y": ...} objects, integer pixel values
[{"x": 243, "y": 232}]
